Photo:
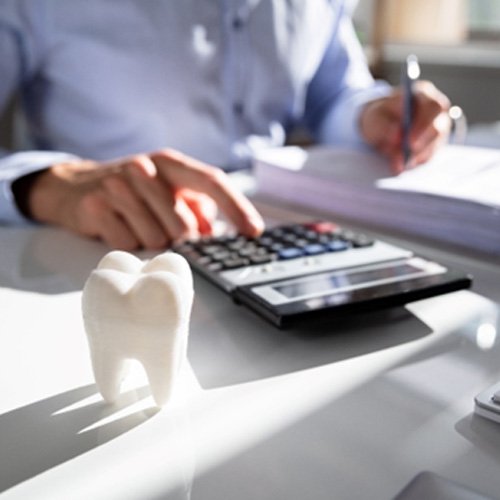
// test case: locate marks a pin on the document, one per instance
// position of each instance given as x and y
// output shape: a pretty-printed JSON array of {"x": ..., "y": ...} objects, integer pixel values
[
  {"x": 455, "y": 197},
  {"x": 455, "y": 172}
]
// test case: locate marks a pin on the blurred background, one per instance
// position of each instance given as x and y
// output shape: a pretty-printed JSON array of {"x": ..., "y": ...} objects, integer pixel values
[{"x": 458, "y": 45}]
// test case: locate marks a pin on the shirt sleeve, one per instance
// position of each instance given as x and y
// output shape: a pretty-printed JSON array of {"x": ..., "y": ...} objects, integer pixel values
[
  {"x": 12, "y": 167},
  {"x": 18, "y": 59},
  {"x": 340, "y": 88}
]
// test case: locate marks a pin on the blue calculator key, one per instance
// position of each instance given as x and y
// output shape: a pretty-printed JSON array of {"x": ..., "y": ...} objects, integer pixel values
[
  {"x": 338, "y": 245},
  {"x": 314, "y": 249},
  {"x": 290, "y": 253}
]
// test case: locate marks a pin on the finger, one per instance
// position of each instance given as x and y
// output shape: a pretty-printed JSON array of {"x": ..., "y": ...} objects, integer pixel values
[
  {"x": 203, "y": 207},
  {"x": 97, "y": 219},
  {"x": 437, "y": 131},
  {"x": 177, "y": 222},
  {"x": 428, "y": 149},
  {"x": 183, "y": 210},
  {"x": 397, "y": 162},
  {"x": 429, "y": 104},
  {"x": 183, "y": 172},
  {"x": 135, "y": 213},
  {"x": 425, "y": 154}
]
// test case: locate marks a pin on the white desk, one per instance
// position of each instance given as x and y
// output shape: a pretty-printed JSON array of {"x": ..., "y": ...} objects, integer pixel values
[{"x": 352, "y": 411}]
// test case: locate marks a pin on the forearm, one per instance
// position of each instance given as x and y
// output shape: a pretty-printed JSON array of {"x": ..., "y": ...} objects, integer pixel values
[
  {"x": 341, "y": 125},
  {"x": 340, "y": 89}
]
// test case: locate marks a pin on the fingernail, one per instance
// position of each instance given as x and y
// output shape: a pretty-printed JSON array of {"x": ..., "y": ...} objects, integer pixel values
[{"x": 257, "y": 224}]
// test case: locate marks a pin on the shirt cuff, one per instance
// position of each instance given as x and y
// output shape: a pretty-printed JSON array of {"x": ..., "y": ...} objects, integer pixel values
[
  {"x": 17, "y": 165},
  {"x": 340, "y": 126}
]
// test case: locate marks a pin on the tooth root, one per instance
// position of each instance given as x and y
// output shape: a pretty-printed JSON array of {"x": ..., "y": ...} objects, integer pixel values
[
  {"x": 161, "y": 379},
  {"x": 109, "y": 371}
]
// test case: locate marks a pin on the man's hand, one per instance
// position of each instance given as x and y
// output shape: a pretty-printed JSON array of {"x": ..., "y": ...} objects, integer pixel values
[
  {"x": 145, "y": 201},
  {"x": 381, "y": 124}
]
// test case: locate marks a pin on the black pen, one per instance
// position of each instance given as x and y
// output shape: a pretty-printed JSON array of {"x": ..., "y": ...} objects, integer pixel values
[{"x": 410, "y": 74}]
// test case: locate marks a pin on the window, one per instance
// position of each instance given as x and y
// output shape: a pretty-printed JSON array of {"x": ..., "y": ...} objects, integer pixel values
[
  {"x": 484, "y": 19},
  {"x": 428, "y": 21}
]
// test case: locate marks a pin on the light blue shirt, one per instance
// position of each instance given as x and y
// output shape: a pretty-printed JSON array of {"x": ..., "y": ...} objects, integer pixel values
[{"x": 215, "y": 79}]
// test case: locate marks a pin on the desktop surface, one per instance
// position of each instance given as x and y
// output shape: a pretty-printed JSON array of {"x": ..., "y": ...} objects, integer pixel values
[{"x": 351, "y": 409}]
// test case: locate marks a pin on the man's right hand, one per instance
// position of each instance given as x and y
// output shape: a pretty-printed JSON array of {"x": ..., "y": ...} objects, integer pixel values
[{"x": 144, "y": 201}]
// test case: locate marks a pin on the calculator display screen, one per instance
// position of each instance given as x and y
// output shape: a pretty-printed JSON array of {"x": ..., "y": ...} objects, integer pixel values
[{"x": 328, "y": 282}]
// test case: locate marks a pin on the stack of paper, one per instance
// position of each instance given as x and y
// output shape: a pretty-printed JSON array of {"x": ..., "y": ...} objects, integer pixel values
[{"x": 454, "y": 198}]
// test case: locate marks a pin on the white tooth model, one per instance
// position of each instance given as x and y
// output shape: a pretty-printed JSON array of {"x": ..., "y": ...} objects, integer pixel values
[{"x": 137, "y": 310}]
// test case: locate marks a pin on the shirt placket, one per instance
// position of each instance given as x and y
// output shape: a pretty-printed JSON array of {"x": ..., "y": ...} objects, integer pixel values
[{"x": 236, "y": 19}]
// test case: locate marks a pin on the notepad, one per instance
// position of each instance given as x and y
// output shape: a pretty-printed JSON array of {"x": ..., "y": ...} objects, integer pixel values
[{"x": 454, "y": 198}]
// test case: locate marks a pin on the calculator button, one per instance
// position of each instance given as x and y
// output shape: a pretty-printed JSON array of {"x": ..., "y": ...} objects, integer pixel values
[
  {"x": 311, "y": 235},
  {"x": 204, "y": 260},
  {"x": 314, "y": 249},
  {"x": 347, "y": 235},
  {"x": 360, "y": 240},
  {"x": 338, "y": 245},
  {"x": 222, "y": 255},
  {"x": 276, "y": 247},
  {"x": 261, "y": 259},
  {"x": 264, "y": 241},
  {"x": 298, "y": 229},
  {"x": 233, "y": 263},
  {"x": 290, "y": 253},
  {"x": 277, "y": 232},
  {"x": 207, "y": 249},
  {"x": 237, "y": 244},
  {"x": 324, "y": 238},
  {"x": 248, "y": 250},
  {"x": 302, "y": 242},
  {"x": 214, "y": 267},
  {"x": 289, "y": 238}
]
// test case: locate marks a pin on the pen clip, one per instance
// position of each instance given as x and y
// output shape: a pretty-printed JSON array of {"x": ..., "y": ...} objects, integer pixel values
[{"x": 412, "y": 67}]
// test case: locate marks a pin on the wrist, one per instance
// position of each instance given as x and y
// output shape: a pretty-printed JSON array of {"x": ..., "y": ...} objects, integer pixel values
[
  {"x": 367, "y": 123},
  {"x": 22, "y": 189},
  {"x": 41, "y": 195}
]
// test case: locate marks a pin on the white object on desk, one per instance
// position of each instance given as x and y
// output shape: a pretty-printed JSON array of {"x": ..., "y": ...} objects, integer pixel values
[
  {"x": 452, "y": 198},
  {"x": 487, "y": 403},
  {"x": 136, "y": 310},
  {"x": 456, "y": 172}
]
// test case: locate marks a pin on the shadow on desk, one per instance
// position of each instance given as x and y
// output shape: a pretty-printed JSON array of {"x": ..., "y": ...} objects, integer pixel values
[
  {"x": 482, "y": 433},
  {"x": 42, "y": 435},
  {"x": 48, "y": 260},
  {"x": 229, "y": 344}
]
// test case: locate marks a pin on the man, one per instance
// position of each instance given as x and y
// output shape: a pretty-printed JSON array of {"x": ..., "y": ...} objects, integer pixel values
[{"x": 135, "y": 108}]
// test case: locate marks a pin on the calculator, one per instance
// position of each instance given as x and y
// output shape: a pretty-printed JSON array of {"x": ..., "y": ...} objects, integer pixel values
[{"x": 315, "y": 271}]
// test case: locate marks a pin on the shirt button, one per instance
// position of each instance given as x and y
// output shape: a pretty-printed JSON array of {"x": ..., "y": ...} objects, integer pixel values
[
  {"x": 238, "y": 108},
  {"x": 238, "y": 23}
]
